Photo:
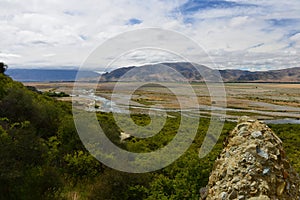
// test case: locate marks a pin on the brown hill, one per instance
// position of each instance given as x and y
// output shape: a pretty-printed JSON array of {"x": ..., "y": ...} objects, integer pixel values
[
  {"x": 283, "y": 75},
  {"x": 190, "y": 72},
  {"x": 181, "y": 71}
]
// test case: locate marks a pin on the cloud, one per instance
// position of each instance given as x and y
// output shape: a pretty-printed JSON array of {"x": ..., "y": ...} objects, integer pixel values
[
  {"x": 236, "y": 33},
  {"x": 73, "y": 13},
  {"x": 9, "y": 55}
]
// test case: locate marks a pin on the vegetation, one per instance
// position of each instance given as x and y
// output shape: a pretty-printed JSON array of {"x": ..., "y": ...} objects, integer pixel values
[
  {"x": 3, "y": 67},
  {"x": 289, "y": 134},
  {"x": 56, "y": 94},
  {"x": 42, "y": 156}
]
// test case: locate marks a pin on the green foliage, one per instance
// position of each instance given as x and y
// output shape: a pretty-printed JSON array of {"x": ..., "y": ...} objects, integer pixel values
[
  {"x": 184, "y": 178},
  {"x": 20, "y": 159},
  {"x": 81, "y": 164},
  {"x": 56, "y": 94},
  {"x": 27, "y": 122},
  {"x": 67, "y": 134},
  {"x": 42, "y": 156},
  {"x": 3, "y": 67},
  {"x": 117, "y": 185},
  {"x": 289, "y": 134}
]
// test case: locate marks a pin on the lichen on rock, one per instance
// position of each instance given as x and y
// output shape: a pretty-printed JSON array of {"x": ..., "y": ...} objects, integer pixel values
[{"x": 252, "y": 165}]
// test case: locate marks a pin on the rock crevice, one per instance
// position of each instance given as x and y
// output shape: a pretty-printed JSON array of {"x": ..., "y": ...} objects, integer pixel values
[{"x": 252, "y": 165}]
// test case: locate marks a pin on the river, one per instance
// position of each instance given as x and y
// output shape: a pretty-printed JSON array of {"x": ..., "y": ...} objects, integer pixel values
[{"x": 107, "y": 105}]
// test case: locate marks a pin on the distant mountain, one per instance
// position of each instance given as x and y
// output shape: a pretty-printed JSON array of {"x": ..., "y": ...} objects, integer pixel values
[
  {"x": 180, "y": 71},
  {"x": 189, "y": 72},
  {"x": 47, "y": 75},
  {"x": 283, "y": 75},
  {"x": 165, "y": 72}
]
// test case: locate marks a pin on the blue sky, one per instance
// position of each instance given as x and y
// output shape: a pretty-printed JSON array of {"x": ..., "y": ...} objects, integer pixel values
[
  {"x": 240, "y": 34},
  {"x": 193, "y": 6}
]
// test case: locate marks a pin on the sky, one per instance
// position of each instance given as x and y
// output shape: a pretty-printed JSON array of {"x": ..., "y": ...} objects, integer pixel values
[{"x": 236, "y": 34}]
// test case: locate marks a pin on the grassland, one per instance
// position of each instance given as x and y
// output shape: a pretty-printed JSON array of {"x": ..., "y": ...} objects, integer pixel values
[{"x": 260, "y": 100}]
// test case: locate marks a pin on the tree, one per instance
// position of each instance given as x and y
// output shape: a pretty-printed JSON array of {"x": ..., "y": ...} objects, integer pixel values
[{"x": 3, "y": 67}]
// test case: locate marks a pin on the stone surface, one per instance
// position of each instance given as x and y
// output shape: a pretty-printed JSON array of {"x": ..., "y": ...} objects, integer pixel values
[
  {"x": 124, "y": 136},
  {"x": 260, "y": 197},
  {"x": 252, "y": 165}
]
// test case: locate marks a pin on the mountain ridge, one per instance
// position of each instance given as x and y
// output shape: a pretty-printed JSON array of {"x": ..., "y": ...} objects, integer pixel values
[
  {"x": 191, "y": 74},
  {"x": 175, "y": 71}
]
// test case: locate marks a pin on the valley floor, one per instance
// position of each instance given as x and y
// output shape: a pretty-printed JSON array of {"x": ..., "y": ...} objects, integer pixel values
[{"x": 278, "y": 103}]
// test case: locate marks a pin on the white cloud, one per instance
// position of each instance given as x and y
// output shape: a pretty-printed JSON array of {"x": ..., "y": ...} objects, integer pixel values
[
  {"x": 63, "y": 33},
  {"x": 9, "y": 55},
  {"x": 239, "y": 21}
]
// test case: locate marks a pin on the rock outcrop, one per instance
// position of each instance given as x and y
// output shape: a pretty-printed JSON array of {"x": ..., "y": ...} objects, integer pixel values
[{"x": 253, "y": 165}]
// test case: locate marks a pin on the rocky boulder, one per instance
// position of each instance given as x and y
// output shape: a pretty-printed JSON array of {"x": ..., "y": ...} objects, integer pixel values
[{"x": 253, "y": 165}]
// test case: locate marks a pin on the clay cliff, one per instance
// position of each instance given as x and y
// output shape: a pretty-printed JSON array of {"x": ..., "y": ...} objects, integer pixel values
[{"x": 253, "y": 165}]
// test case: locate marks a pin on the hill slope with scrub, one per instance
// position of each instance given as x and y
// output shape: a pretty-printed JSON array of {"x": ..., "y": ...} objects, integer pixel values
[{"x": 42, "y": 156}]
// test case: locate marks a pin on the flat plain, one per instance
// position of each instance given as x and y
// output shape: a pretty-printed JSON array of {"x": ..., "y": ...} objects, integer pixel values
[{"x": 260, "y": 100}]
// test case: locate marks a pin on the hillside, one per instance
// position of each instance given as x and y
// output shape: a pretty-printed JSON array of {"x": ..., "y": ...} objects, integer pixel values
[
  {"x": 42, "y": 156},
  {"x": 157, "y": 72},
  {"x": 161, "y": 72},
  {"x": 283, "y": 75}
]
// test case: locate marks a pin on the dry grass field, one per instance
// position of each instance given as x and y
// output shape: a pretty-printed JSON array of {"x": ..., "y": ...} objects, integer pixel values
[{"x": 260, "y": 100}]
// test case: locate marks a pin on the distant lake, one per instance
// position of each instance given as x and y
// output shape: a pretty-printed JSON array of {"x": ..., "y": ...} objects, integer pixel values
[{"x": 47, "y": 75}]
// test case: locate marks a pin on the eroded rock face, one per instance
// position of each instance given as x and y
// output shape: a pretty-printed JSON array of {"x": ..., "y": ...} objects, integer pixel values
[{"x": 253, "y": 165}]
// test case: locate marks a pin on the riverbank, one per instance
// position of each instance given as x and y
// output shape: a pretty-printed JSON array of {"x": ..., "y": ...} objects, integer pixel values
[{"x": 273, "y": 103}]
